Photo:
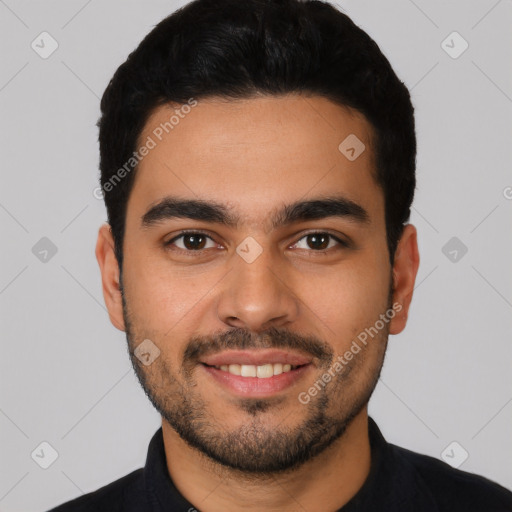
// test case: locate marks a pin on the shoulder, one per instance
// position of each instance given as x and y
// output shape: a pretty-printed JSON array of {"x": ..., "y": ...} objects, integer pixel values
[
  {"x": 112, "y": 497},
  {"x": 454, "y": 489}
]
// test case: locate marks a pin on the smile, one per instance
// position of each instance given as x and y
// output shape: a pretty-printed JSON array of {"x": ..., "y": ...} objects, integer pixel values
[{"x": 264, "y": 371}]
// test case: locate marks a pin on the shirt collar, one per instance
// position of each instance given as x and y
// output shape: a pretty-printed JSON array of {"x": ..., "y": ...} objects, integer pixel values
[
  {"x": 392, "y": 483},
  {"x": 162, "y": 494}
]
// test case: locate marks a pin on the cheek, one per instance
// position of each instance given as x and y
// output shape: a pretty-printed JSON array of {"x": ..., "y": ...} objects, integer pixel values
[
  {"x": 349, "y": 299},
  {"x": 164, "y": 299}
]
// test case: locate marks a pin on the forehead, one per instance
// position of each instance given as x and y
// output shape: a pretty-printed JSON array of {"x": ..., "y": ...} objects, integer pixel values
[{"x": 255, "y": 154}]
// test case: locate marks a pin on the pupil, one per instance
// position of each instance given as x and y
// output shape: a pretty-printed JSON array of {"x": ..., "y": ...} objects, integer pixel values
[
  {"x": 315, "y": 239},
  {"x": 196, "y": 241}
]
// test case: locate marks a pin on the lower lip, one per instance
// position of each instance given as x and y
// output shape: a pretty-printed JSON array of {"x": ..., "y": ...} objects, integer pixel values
[{"x": 254, "y": 386}]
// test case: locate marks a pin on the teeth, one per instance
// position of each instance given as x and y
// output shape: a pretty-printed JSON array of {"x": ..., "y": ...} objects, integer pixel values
[
  {"x": 248, "y": 370},
  {"x": 263, "y": 371},
  {"x": 233, "y": 368}
]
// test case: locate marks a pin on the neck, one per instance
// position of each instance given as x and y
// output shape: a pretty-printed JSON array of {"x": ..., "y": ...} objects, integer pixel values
[{"x": 327, "y": 482}]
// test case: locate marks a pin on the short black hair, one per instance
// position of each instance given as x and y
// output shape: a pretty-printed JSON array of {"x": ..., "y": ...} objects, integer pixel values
[{"x": 239, "y": 49}]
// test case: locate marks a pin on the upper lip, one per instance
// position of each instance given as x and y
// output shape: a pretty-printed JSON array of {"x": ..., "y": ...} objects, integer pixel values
[{"x": 256, "y": 357}]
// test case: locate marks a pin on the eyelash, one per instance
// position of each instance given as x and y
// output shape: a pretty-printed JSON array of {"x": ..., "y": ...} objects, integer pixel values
[{"x": 168, "y": 244}]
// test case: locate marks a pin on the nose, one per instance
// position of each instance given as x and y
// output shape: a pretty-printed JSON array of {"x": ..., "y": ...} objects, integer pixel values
[{"x": 258, "y": 295}]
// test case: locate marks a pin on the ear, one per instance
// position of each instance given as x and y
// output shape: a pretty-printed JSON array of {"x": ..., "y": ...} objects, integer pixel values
[
  {"x": 405, "y": 268},
  {"x": 109, "y": 268}
]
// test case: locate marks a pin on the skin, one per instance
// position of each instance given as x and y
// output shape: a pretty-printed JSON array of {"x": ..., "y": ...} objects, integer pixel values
[{"x": 254, "y": 156}]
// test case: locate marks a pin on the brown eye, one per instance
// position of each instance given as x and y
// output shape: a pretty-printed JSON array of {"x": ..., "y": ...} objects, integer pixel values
[
  {"x": 194, "y": 242},
  {"x": 191, "y": 242},
  {"x": 319, "y": 242}
]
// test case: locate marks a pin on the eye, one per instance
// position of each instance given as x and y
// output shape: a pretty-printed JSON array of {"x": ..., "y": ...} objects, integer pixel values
[
  {"x": 196, "y": 241},
  {"x": 319, "y": 242},
  {"x": 191, "y": 241}
]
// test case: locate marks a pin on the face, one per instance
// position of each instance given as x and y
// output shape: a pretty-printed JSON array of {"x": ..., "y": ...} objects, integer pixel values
[{"x": 255, "y": 255}]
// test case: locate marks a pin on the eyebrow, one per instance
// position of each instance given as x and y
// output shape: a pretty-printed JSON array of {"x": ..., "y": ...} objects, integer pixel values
[{"x": 210, "y": 211}]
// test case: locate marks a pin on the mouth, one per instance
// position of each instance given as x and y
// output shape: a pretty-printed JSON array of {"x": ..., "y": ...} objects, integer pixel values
[
  {"x": 263, "y": 371},
  {"x": 260, "y": 373}
]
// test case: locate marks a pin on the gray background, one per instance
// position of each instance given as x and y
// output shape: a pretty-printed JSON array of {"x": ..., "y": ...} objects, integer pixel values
[{"x": 65, "y": 375}]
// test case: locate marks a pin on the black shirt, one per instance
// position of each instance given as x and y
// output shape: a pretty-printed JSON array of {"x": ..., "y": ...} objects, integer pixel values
[{"x": 399, "y": 480}]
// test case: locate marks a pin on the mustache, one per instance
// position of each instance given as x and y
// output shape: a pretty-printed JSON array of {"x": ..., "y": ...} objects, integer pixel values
[{"x": 242, "y": 339}]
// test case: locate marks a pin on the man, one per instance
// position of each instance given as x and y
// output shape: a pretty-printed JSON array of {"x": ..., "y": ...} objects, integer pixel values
[{"x": 258, "y": 168}]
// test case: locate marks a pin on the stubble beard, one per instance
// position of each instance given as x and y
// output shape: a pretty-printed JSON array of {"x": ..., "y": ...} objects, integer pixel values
[{"x": 256, "y": 449}]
